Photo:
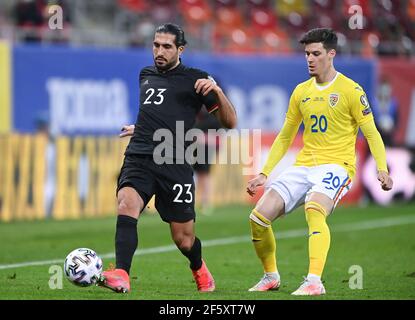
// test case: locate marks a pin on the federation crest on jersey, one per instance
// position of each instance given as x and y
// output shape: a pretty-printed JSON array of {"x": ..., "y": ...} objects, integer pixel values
[{"x": 333, "y": 99}]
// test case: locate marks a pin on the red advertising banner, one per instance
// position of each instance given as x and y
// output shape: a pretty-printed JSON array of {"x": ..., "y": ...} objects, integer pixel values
[{"x": 400, "y": 74}]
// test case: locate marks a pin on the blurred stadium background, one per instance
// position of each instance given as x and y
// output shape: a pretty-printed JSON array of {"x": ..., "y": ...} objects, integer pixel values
[{"x": 67, "y": 88}]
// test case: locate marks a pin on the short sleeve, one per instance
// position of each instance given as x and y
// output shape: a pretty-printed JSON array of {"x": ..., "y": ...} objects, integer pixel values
[{"x": 360, "y": 106}]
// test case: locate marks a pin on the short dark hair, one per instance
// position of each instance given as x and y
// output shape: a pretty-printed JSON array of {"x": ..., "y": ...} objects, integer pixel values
[
  {"x": 326, "y": 36},
  {"x": 175, "y": 30}
]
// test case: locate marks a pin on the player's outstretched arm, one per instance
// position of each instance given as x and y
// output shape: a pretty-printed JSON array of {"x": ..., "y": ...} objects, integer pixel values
[
  {"x": 127, "y": 131},
  {"x": 280, "y": 145},
  {"x": 293, "y": 119},
  {"x": 226, "y": 113},
  {"x": 278, "y": 150},
  {"x": 377, "y": 149}
]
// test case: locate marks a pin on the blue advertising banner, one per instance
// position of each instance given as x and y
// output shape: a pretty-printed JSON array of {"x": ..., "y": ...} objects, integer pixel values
[{"x": 95, "y": 91}]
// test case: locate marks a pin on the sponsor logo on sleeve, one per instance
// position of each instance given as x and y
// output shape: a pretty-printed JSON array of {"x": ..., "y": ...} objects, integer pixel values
[{"x": 364, "y": 101}]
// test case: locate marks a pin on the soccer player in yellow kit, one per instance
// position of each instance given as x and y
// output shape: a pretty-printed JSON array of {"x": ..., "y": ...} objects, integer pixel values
[{"x": 332, "y": 108}]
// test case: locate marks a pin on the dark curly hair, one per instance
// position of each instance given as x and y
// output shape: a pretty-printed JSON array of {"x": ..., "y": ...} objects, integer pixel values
[
  {"x": 175, "y": 30},
  {"x": 326, "y": 36}
]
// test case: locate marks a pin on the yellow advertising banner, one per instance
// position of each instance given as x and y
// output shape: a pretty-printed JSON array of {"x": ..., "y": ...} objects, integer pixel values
[
  {"x": 76, "y": 177},
  {"x": 5, "y": 88}
]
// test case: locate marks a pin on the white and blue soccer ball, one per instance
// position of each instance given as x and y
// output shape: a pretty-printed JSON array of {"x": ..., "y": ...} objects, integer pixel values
[{"x": 83, "y": 267}]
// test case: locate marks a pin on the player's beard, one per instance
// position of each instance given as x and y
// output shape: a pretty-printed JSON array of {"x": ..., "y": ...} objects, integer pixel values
[{"x": 166, "y": 66}]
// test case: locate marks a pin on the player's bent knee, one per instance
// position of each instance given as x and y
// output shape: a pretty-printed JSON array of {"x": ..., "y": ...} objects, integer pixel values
[
  {"x": 315, "y": 206},
  {"x": 271, "y": 205},
  {"x": 124, "y": 207},
  {"x": 128, "y": 209},
  {"x": 129, "y": 204},
  {"x": 259, "y": 218},
  {"x": 183, "y": 243},
  {"x": 314, "y": 212},
  {"x": 258, "y": 223}
]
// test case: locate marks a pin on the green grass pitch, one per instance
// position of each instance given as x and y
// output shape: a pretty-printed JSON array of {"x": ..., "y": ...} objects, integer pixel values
[{"x": 380, "y": 240}]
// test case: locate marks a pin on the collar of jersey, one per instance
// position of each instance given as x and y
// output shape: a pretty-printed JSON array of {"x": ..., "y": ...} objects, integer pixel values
[
  {"x": 178, "y": 67},
  {"x": 321, "y": 88}
]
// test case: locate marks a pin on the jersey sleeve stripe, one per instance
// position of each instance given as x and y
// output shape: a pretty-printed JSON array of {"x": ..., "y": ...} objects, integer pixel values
[{"x": 213, "y": 108}]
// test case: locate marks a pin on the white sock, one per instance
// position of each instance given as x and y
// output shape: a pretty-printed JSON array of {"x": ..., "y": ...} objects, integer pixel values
[
  {"x": 273, "y": 274},
  {"x": 313, "y": 277}
]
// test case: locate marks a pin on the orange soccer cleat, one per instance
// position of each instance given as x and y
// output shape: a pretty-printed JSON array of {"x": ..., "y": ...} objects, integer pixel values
[
  {"x": 116, "y": 280},
  {"x": 203, "y": 278}
]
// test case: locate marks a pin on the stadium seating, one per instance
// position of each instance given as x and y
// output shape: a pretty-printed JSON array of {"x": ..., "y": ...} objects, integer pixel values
[
  {"x": 411, "y": 10},
  {"x": 137, "y": 6},
  {"x": 235, "y": 25},
  {"x": 195, "y": 13},
  {"x": 262, "y": 19},
  {"x": 274, "y": 42},
  {"x": 370, "y": 42}
]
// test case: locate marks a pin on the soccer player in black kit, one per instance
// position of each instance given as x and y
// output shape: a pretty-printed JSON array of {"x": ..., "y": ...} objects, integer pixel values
[{"x": 170, "y": 93}]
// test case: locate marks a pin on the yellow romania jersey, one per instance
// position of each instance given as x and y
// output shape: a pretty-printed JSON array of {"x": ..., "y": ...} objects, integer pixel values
[{"x": 332, "y": 114}]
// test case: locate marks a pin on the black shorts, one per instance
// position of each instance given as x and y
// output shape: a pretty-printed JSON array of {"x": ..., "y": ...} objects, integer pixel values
[{"x": 172, "y": 185}]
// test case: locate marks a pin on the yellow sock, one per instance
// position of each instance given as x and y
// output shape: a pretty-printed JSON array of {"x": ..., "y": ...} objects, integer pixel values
[
  {"x": 263, "y": 240},
  {"x": 319, "y": 237}
]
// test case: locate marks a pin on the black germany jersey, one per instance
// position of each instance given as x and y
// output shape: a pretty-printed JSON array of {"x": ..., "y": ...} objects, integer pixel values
[{"x": 168, "y": 100}]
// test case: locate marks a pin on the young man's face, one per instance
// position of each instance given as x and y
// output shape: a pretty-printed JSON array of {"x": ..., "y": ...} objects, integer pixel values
[
  {"x": 165, "y": 52},
  {"x": 318, "y": 58}
]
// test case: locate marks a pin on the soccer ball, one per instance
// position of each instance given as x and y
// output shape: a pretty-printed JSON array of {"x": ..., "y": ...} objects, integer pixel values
[{"x": 83, "y": 267}]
